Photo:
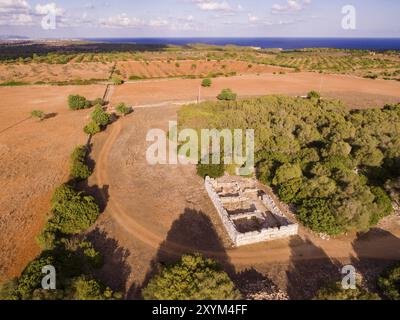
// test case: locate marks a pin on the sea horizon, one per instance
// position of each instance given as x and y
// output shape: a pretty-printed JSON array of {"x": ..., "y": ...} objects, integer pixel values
[{"x": 285, "y": 43}]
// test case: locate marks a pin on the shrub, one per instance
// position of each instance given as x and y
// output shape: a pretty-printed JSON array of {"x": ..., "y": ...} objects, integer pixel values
[
  {"x": 117, "y": 81},
  {"x": 84, "y": 288},
  {"x": 206, "y": 83},
  {"x": 123, "y": 109},
  {"x": 135, "y": 77},
  {"x": 100, "y": 116},
  {"x": 313, "y": 95},
  {"x": 92, "y": 128},
  {"x": 38, "y": 114},
  {"x": 99, "y": 101},
  {"x": 192, "y": 278},
  {"x": 210, "y": 169},
  {"x": 79, "y": 170},
  {"x": 77, "y": 102},
  {"x": 317, "y": 215},
  {"x": 227, "y": 94},
  {"x": 389, "y": 283},
  {"x": 336, "y": 292},
  {"x": 73, "y": 212}
]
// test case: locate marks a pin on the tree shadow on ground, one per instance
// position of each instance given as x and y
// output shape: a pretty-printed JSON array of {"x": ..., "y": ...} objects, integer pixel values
[
  {"x": 306, "y": 275},
  {"x": 50, "y": 115},
  {"x": 364, "y": 247},
  {"x": 194, "y": 232},
  {"x": 116, "y": 269}
]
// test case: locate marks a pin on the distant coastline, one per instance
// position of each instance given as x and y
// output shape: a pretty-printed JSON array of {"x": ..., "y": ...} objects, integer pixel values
[{"x": 283, "y": 43}]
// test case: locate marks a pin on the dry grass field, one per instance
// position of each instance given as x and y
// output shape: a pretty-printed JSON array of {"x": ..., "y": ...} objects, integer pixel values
[{"x": 34, "y": 157}]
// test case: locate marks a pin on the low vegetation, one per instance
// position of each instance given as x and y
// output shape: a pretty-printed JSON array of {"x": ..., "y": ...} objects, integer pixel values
[
  {"x": 192, "y": 278},
  {"x": 101, "y": 117},
  {"x": 79, "y": 170},
  {"x": 92, "y": 128},
  {"x": 77, "y": 102},
  {"x": 122, "y": 109},
  {"x": 336, "y": 291},
  {"x": 206, "y": 83},
  {"x": 389, "y": 283},
  {"x": 227, "y": 95},
  {"x": 333, "y": 165},
  {"x": 38, "y": 114}
]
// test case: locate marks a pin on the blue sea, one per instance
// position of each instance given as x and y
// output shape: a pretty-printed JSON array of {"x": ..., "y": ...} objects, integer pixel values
[{"x": 283, "y": 43}]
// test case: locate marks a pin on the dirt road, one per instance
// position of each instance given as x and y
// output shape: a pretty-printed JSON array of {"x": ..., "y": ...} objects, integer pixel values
[{"x": 160, "y": 212}]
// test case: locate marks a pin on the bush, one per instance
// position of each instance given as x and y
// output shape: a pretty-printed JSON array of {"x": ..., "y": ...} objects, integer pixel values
[
  {"x": 317, "y": 215},
  {"x": 135, "y": 77},
  {"x": 38, "y": 114},
  {"x": 79, "y": 170},
  {"x": 211, "y": 170},
  {"x": 389, "y": 283},
  {"x": 313, "y": 95},
  {"x": 123, "y": 109},
  {"x": 99, "y": 101},
  {"x": 92, "y": 128},
  {"x": 100, "y": 116},
  {"x": 227, "y": 95},
  {"x": 192, "y": 278},
  {"x": 77, "y": 102},
  {"x": 336, "y": 292},
  {"x": 117, "y": 81},
  {"x": 84, "y": 288},
  {"x": 206, "y": 83},
  {"x": 73, "y": 212}
]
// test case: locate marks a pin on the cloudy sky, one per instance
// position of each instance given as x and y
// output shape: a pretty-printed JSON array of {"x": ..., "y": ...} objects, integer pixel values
[{"x": 198, "y": 18}]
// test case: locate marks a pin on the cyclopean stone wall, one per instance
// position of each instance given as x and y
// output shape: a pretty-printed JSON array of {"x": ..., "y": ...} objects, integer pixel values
[{"x": 286, "y": 228}]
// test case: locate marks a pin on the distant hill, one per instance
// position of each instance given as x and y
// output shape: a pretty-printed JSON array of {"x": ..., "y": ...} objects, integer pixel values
[{"x": 11, "y": 37}]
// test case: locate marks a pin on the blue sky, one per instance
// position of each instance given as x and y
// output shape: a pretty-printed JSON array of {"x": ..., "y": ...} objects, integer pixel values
[{"x": 199, "y": 18}]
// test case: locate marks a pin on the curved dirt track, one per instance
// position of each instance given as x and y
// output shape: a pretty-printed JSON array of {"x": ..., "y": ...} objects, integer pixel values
[{"x": 152, "y": 229}]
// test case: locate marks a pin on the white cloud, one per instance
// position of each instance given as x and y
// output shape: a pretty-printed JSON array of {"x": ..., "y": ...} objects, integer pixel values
[
  {"x": 14, "y": 6},
  {"x": 48, "y": 8},
  {"x": 212, "y": 5},
  {"x": 158, "y": 23},
  {"x": 121, "y": 20},
  {"x": 290, "y": 6},
  {"x": 253, "y": 18}
]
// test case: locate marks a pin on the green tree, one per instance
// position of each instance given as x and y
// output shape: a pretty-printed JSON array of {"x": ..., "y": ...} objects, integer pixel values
[
  {"x": 389, "y": 283},
  {"x": 84, "y": 288},
  {"x": 38, "y": 114},
  {"x": 227, "y": 95},
  {"x": 287, "y": 172},
  {"x": 206, "y": 82},
  {"x": 336, "y": 292},
  {"x": 123, "y": 109},
  {"x": 317, "y": 215},
  {"x": 73, "y": 212},
  {"x": 101, "y": 117},
  {"x": 77, "y": 102},
  {"x": 314, "y": 95},
  {"x": 192, "y": 278},
  {"x": 92, "y": 128}
]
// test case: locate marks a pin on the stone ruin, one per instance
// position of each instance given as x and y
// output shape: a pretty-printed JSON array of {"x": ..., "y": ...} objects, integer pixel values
[{"x": 249, "y": 215}]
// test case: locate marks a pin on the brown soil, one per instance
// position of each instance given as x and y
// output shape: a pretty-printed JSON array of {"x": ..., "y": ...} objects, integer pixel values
[
  {"x": 34, "y": 159},
  {"x": 355, "y": 92}
]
